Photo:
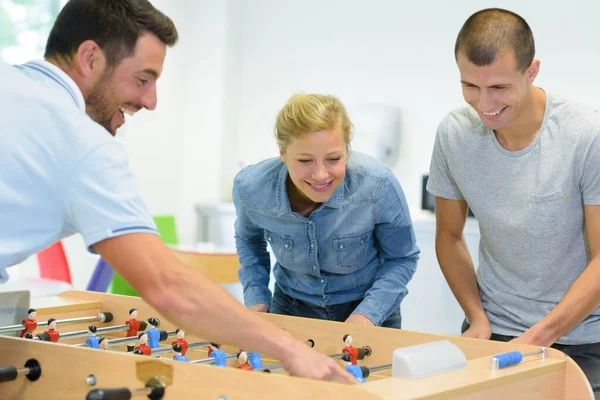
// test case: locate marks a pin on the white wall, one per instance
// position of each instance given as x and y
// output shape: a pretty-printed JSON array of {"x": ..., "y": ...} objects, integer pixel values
[{"x": 396, "y": 53}]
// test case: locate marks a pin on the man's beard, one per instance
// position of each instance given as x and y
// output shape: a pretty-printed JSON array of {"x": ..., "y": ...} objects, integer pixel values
[{"x": 98, "y": 104}]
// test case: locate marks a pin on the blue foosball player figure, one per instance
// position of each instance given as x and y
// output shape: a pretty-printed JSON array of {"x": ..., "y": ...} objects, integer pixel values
[
  {"x": 93, "y": 341},
  {"x": 359, "y": 372},
  {"x": 178, "y": 355},
  {"x": 218, "y": 355},
  {"x": 153, "y": 333},
  {"x": 255, "y": 361}
]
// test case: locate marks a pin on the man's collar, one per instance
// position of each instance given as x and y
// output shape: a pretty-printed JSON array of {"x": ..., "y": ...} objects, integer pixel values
[{"x": 61, "y": 77}]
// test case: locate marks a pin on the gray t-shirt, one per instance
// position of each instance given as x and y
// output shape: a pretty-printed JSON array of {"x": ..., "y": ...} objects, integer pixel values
[{"x": 529, "y": 205}]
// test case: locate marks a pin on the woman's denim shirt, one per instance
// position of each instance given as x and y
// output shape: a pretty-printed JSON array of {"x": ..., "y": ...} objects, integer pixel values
[{"x": 360, "y": 244}]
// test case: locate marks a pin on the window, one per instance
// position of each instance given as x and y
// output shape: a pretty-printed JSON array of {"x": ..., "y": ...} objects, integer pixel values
[{"x": 24, "y": 28}]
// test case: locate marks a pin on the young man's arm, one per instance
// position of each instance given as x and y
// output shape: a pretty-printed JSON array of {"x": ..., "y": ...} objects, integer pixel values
[
  {"x": 581, "y": 299},
  {"x": 194, "y": 303},
  {"x": 457, "y": 265}
]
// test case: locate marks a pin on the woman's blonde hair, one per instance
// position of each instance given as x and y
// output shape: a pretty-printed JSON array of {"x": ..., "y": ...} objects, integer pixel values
[{"x": 306, "y": 113}]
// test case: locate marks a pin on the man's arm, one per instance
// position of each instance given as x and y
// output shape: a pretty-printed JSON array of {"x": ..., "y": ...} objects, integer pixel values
[
  {"x": 581, "y": 299},
  {"x": 196, "y": 304},
  {"x": 457, "y": 265}
]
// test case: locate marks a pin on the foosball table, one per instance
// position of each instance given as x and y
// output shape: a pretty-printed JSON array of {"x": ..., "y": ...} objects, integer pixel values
[{"x": 87, "y": 345}]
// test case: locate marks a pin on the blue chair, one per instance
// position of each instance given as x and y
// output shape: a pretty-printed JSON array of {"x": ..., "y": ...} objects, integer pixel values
[
  {"x": 104, "y": 278},
  {"x": 101, "y": 278}
]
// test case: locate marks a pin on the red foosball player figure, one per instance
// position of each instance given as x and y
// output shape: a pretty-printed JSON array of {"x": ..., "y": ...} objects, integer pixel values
[
  {"x": 29, "y": 323},
  {"x": 52, "y": 332},
  {"x": 134, "y": 326},
  {"x": 143, "y": 346},
  {"x": 133, "y": 323},
  {"x": 242, "y": 359},
  {"x": 181, "y": 341},
  {"x": 350, "y": 350}
]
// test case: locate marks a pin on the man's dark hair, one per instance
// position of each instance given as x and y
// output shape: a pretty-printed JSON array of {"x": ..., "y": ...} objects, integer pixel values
[
  {"x": 115, "y": 25},
  {"x": 489, "y": 32}
]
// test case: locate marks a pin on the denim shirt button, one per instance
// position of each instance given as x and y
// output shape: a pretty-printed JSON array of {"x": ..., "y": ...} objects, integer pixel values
[
  {"x": 322, "y": 281},
  {"x": 314, "y": 267},
  {"x": 310, "y": 222},
  {"x": 312, "y": 245},
  {"x": 341, "y": 246},
  {"x": 269, "y": 239},
  {"x": 362, "y": 242},
  {"x": 285, "y": 245}
]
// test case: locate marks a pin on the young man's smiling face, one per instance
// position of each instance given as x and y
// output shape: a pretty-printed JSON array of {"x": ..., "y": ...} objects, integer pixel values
[
  {"x": 128, "y": 87},
  {"x": 499, "y": 91}
]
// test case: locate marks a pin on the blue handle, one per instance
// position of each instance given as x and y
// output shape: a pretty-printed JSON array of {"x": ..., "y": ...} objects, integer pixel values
[{"x": 506, "y": 359}]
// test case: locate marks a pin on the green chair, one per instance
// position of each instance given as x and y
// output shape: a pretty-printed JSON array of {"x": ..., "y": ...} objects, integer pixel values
[{"x": 165, "y": 224}]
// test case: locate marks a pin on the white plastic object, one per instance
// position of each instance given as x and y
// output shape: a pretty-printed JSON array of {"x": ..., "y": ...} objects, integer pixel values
[
  {"x": 377, "y": 131},
  {"x": 428, "y": 359}
]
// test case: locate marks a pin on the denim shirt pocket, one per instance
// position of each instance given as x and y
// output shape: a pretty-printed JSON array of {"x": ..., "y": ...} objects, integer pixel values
[
  {"x": 351, "y": 250},
  {"x": 282, "y": 247}
]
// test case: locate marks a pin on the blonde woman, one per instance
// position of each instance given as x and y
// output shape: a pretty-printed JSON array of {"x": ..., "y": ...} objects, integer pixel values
[{"x": 338, "y": 224}]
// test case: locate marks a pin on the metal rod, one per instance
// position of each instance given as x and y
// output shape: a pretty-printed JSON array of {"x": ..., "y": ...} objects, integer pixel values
[
  {"x": 23, "y": 371},
  {"x": 495, "y": 361},
  {"x": 12, "y": 328},
  {"x": 166, "y": 349},
  {"x": 209, "y": 360},
  {"x": 106, "y": 329},
  {"x": 540, "y": 351},
  {"x": 119, "y": 341},
  {"x": 277, "y": 367},
  {"x": 380, "y": 367},
  {"x": 141, "y": 392}
]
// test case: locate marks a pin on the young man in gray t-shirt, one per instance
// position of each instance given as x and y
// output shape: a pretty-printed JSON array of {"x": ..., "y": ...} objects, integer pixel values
[{"x": 528, "y": 166}]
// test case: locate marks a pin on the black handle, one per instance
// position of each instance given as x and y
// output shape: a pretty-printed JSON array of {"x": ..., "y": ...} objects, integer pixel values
[
  {"x": 109, "y": 394},
  {"x": 8, "y": 374},
  {"x": 364, "y": 352},
  {"x": 108, "y": 316},
  {"x": 35, "y": 369},
  {"x": 365, "y": 371},
  {"x": 157, "y": 392}
]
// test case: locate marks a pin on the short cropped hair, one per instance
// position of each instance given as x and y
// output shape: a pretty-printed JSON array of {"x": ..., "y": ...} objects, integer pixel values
[
  {"x": 115, "y": 25},
  {"x": 489, "y": 32}
]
